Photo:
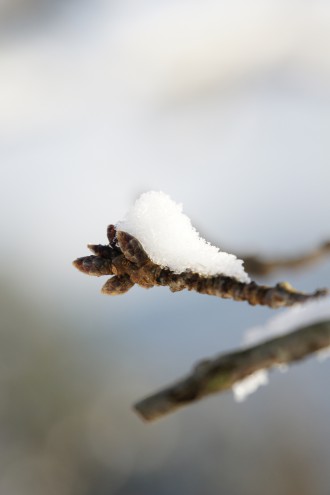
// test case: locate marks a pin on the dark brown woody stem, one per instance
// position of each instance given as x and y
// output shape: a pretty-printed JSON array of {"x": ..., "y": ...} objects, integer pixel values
[{"x": 131, "y": 265}]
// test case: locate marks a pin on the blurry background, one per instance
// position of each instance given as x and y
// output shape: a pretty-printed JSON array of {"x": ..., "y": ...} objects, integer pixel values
[{"x": 226, "y": 107}]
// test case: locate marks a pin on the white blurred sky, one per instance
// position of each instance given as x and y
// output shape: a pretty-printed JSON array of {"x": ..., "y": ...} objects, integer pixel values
[{"x": 223, "y": 105}]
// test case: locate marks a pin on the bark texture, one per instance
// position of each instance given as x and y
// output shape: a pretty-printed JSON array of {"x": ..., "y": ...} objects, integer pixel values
[{"x": 125, "y": 258}]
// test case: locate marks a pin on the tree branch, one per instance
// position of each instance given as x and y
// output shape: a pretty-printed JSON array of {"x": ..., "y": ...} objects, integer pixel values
[
  {"x": 257, "y": 266},
  {"x": 221, "y": 373},
  {"x": 127, "y": 260}
]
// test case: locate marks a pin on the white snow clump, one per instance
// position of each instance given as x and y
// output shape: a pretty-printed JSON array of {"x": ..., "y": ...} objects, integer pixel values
[
  {"x": 250, "y": 384},
  {"x": 171, "y": 241}
]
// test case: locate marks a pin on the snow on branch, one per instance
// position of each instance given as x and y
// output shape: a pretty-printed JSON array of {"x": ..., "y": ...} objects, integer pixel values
[
  {"x": 271, "y": 346},
  {"x": 170, "y": 240},
  {"x": 156, "y": 245},
  {"x": 229, "y": 370}
]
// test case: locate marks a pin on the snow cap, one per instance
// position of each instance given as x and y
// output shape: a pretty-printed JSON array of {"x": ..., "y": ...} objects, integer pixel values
[{"x": 171, "y": 241}]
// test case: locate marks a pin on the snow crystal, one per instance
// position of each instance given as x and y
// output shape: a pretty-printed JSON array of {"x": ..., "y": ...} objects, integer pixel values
[
  {"x": 250, "y": 384},
  {"x": 170, "y": 240}
]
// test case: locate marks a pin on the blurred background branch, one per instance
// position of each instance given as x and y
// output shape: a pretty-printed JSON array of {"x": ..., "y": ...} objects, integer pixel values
[
  {"x": 259, "y": 266},
  {"x": 221, "y": 373}
]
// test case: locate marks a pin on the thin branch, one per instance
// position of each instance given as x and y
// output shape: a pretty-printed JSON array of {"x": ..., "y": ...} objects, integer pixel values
[
  {"x": 221, "y": 373},
  {"x": 257, "y": 266},
  {"x": 125, "y": 258}
]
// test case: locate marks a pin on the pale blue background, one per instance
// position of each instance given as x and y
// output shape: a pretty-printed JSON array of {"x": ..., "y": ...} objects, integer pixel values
[{"x": 226, "y": 107}]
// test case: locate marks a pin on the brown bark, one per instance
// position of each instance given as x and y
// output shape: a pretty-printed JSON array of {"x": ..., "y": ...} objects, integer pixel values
[{"x": 220, "y": 374}]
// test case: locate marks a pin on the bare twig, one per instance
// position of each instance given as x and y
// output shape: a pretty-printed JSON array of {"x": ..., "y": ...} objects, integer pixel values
[
  {"x": 125, "y": 258},
  {"x": 257, "y": 266},
  {"x": 221, "y": 373}
]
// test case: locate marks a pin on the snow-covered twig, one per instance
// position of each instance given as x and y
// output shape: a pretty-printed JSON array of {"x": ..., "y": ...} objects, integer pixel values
[
  {"x": 157, "y": 245},
  {"x": 131, "y": 265},
  {"x": 223, "y": 372}
]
